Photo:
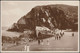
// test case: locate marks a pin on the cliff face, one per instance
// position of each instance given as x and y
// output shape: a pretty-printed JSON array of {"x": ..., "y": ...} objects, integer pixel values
[{"x": 58, "y": 16}]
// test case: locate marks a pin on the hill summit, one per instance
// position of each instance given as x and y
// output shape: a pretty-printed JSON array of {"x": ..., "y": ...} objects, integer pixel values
[{"x": 51, "y": 16}]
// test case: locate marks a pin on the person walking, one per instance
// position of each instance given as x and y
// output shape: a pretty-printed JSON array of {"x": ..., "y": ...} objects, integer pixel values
[
  {"x": 61, "y": 34},
  {"x": 39, "y": 35},
  {"x": 72, "y": 34},
  {"x": 59, "y": 37},
  {"x": 26, "y": 47},
  {"x": 39, "y": 42},
  {"x": 41, "y": 39}
]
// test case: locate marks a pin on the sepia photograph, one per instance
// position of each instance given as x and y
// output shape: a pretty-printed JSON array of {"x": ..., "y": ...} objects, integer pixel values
[{"x": 39, "y": 26}]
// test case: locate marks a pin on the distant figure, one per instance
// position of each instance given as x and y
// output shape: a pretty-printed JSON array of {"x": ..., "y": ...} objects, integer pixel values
[
  {"x": 41, "y": 41},
  {"x": 39, "y": 37},
  {"x": 2, "y": 44},
  {"x": 61, "y": 33},
  {"x": 38, "y": 41},
  {"x": 72, "y": 34},
  {"x": 57, "y": 36},
  {"x": 47, "y": 41},
  {"x": 25, "y": 47}
]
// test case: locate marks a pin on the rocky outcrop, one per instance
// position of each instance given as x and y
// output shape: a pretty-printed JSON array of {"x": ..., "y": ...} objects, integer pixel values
[{"x": 51, "y": 16}]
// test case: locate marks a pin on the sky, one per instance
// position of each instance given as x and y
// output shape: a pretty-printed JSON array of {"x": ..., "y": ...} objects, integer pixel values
[{"x": 12, "y": 11}]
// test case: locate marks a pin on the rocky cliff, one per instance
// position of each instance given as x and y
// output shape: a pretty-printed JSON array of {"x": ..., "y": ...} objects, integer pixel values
[{"x": 51, "y": 16}]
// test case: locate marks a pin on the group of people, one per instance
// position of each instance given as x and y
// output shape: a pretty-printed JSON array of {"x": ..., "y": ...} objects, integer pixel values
[
  {"x": 40, "y": 42},
  {"x": 58, "y": 35}
]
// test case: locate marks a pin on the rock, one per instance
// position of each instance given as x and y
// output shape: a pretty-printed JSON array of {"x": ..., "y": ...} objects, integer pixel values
[{"x": 51, "y": 16}]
